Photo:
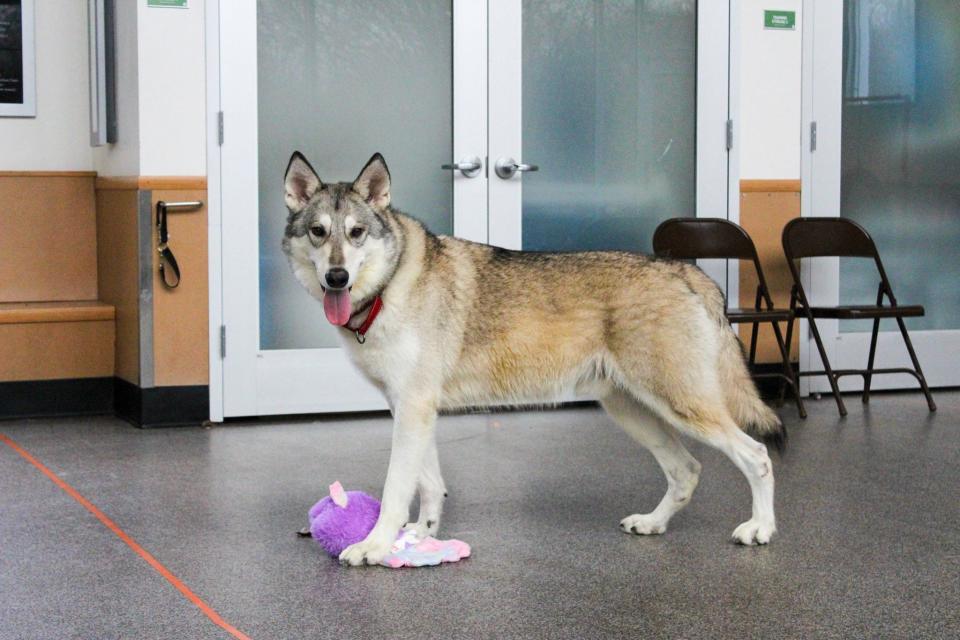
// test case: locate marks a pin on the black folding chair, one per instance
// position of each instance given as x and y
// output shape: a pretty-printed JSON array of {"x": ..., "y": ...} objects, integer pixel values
[
  {"x": 702, "y": 238},
  {"x": 840, "y": 237}
]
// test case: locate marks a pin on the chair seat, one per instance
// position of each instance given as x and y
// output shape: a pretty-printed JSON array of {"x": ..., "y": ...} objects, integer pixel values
[
  {"x": 758, "y": 315},
  {"x": 850, "y": 312}
]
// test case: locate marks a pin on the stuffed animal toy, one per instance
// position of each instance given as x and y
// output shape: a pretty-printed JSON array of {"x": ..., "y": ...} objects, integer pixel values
[{"x": 346, "y": 517}]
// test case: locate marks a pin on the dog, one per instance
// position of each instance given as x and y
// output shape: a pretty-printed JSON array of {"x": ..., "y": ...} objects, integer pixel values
[{"x": 440, "y": 323}]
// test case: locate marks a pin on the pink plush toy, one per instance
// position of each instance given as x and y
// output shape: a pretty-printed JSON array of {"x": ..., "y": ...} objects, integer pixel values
[{"x": 346, "y": 517}]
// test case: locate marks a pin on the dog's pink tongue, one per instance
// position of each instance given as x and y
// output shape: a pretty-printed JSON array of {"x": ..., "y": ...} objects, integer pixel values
[{"x": 336, "y": 304}]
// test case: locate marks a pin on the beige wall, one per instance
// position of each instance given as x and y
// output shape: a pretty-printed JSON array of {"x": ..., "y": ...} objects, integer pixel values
[{"x": 58, "y": 138}]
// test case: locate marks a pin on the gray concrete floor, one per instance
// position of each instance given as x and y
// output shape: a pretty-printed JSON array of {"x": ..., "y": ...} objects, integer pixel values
[{"x": 868, "y": 510}]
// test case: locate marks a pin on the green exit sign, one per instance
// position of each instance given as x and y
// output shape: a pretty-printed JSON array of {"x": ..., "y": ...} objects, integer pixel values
[
  {"x": 774, "y": 19},
  {"x": 167, "y": 4}
]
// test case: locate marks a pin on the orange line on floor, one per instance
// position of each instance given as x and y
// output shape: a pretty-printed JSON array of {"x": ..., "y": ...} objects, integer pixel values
[{"x": 130, "y": 542}]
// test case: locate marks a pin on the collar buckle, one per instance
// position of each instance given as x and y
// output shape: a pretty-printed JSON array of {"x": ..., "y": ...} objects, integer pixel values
[{"x": 361, "y": 332}]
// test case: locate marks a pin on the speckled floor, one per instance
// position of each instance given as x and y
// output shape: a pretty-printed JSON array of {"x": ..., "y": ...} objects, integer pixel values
[{"x": 868, "y": 509}]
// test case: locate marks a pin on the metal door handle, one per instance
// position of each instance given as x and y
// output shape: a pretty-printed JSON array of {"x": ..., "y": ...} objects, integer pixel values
[
  {"x": 506, "y": 168},
  {"x": 468, "y": 167}
]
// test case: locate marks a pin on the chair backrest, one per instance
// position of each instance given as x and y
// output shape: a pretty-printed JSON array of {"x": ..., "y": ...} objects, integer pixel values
[
  {"x": 823, "y": 237},
  {"x": 691, "y": 238}
]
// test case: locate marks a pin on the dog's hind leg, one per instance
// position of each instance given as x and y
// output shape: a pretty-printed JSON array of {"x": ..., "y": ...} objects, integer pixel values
[
  {"x": 751, "y": 458},
  {"x": 681, "y": 469},
  {"x": 432, "y": 492}
]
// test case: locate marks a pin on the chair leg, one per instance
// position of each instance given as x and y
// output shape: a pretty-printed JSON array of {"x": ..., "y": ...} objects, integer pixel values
[
  {"x": 753, "y": 344},
  {"x": 789, "y": 343},
  {"x": 788, "y": 370},
  {"x": 826, "y": 363},
  {"x": 916, "y": 365},
  {"x": 868, "y": 376}
]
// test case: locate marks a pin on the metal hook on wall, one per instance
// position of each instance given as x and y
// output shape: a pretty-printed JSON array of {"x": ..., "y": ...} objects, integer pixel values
[{"x": 163, "y": 239}]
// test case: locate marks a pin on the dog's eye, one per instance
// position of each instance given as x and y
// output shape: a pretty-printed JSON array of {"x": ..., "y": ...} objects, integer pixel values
[
  {"x": 356, "y": 232},
  {"x": 318, "y": 231}
]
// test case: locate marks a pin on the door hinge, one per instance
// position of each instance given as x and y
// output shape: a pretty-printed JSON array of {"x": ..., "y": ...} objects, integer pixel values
[
  {"x": 220, "y": 128},
  {"x": 813, "y": 135},
  {"x": 223, "y": 341},
  {"x": 729, "y": 135}
]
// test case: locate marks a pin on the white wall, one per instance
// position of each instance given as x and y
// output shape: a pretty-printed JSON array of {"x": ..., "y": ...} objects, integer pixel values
[
  {"x": 123, "y": 158},
  {"x": 58, "y": 139},
  {"x": 770, "y": 82},
  {"x": 172, "y": 81}
]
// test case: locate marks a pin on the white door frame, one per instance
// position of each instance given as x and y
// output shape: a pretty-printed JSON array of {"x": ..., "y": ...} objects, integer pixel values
[
  {"x": 715, "y": 165},
  {"x": 822, "y": 98},
  {"x": 214, "y": 244}
]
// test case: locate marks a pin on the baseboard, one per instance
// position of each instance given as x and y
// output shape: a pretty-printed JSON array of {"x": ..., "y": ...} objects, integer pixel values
[
  {"x": 51, "y": 398},
  {"x": 161, "y": 406}
]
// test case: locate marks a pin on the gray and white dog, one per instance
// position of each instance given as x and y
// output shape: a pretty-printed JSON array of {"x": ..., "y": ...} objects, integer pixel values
[{"x": 459, "y": 324}]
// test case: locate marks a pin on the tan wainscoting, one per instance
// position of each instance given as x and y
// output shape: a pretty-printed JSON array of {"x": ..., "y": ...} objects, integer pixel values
[
  {"x": 48, "y": 238},
  {"x": 56, "y": 350},
  {"x": 765, "y": 207},
  {"x": 118, "y": 274},
  {"x": 180, "y": 316}
]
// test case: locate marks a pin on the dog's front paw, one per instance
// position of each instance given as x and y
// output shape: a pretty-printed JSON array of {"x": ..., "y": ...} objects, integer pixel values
[
  {"x": 753, "y": 532},
  {"x": 644, "y": 524},
  {"x": 370, "y": 551}
]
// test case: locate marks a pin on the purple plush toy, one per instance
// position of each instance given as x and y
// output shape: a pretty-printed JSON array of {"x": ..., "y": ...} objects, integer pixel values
[
  {"x": 346, "y": 517},
  {"x": 342, "y": 518}
]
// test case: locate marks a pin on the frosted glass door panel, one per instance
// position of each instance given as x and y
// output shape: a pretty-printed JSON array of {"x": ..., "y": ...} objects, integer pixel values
[
  {"x": 340, "y": 81},
  {"x": 901, "y": 153},
  {"x": 609, "y": 115}
]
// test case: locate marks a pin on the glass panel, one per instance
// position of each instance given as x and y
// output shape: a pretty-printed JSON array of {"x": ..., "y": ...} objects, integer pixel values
[
  {"x": 609, "y": 114},
  {"x": 901, "y": 153},
  {"x": 340, "y": 81}
]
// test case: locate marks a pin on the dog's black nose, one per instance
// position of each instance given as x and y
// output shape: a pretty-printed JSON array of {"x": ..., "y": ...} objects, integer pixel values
[{"x": 337, "y": 278}]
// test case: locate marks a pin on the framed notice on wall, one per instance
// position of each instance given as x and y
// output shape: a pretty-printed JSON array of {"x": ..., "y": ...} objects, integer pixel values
[{"x": 18, "y": 71}]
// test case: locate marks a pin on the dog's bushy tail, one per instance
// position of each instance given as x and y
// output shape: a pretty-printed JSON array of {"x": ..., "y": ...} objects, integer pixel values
[{"x": 743, "y": 400}]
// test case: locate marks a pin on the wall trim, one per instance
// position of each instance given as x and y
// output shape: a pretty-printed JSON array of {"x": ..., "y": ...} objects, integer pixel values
[
  {"x": 769, "y": 186},
  {"x": 117, "y": 183},
  {"x": 157, "y": 407},
  {"x": 161, "y": 406},
  {"x": 145, "y": 252},
  {"x": 30, "y": 312},
  {"x": 48, "y": 398},
  {"x": 48, "y": 174},
  {"x": 158, "y": 183},
  {"x": 134, "y": 183}
]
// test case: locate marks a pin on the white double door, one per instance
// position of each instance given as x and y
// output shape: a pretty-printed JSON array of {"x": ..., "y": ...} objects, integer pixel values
[
  {"x": 620, "y": 108},
  {"x": 883, "y": 94}
]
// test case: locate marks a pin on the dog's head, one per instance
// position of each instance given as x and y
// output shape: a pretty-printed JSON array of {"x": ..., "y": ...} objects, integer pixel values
[{"x": 339, "y": 238}]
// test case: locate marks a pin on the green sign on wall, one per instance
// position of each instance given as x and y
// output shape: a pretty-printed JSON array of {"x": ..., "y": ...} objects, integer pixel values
[
  {"x": 774, "y": 19},
  {"x": 167, "y": 4}
]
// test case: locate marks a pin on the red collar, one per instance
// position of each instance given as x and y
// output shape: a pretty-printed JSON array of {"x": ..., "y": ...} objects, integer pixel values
[{"x": 375, "y": 308}]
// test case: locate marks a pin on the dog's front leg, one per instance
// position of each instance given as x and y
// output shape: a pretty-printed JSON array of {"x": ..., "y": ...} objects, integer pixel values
[
  {"x": 412, "y": 433},
  {"x": 432, "y": 493}
]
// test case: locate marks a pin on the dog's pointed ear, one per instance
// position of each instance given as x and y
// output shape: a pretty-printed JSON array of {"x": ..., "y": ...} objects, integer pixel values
[
  {"x": 373, "y": 183},
  {"x": 300, "y": 182}
]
